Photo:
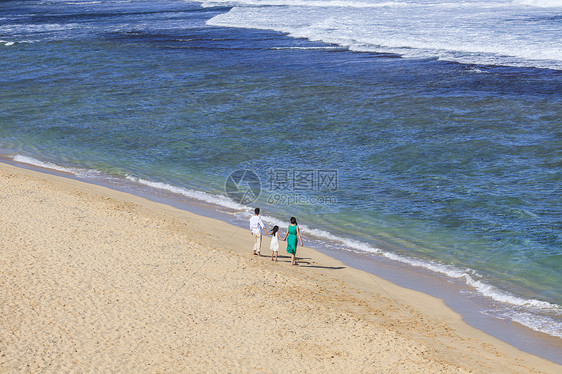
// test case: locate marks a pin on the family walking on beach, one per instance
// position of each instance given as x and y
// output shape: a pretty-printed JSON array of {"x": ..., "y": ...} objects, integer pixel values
[{"x": 293, "y": 236}]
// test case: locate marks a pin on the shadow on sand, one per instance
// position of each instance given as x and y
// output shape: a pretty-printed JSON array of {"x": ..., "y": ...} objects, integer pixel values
[{"x": 301, "y": 262}]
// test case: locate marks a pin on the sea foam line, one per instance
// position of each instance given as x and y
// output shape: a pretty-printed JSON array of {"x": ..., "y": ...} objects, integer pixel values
[
  {"x": 304, "y": 3},
  {"x": 358, "y": 34},
  {"x": 378, "y": 4},
  {"x": 540, "y": 3},
  {"x": 467, "y": 275},
  {"x": 540, "y": 323},
  {"x": 326, "y": 48},
  {"x": 192, "y": 194},
  {"x": 52, "y": 166}
]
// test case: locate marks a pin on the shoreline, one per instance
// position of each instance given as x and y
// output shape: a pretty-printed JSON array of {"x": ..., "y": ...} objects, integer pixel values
[
  {"x": 433, "y": 334},
  {"x": 450, "y": 291}
]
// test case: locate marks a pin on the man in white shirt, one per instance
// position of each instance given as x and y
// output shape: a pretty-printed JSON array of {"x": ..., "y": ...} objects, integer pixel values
[{"x": 256, "y": 225}]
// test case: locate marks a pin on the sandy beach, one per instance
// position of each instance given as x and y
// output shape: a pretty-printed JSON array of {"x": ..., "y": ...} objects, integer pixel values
[{"x": 96, "y": 280}]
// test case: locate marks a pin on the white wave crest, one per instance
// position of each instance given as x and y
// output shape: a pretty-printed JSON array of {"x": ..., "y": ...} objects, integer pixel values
[
  {"x": 381, "y": 4},
  {"x": 503, "y": 297},
  {"x": 492, "y": 33},
  {"x": 539, "y": 323},
  {"x": 36, "y": 28},
  {"x": 78, "y": 172},
  {"x": 192, "y": 194},
  {"x": 44, "y": 164},
  {"x": 326, "y": 48},
  {"x": 540, "y": 3},
  {"x": 306, "y": 3},
  {"x": 83, "y": 2},
  {"x": 468, "y": 276}
]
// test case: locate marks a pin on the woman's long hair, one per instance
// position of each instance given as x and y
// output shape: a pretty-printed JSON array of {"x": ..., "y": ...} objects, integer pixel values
[{"x": 293, "y": 221}]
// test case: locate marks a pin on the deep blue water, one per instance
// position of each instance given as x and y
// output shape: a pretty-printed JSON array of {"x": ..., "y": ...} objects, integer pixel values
[{"x": 448, "y": 166}]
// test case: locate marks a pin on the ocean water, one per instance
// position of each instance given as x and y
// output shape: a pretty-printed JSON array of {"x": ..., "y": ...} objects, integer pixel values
[{"x": 422, "y": 132}]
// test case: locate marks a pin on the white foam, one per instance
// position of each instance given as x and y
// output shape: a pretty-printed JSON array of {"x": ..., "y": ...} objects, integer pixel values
[
  {"x": 83, "y": 2},
  {"x": 327, "y": 48},
  {"x": 192, "y": 194},
  {"x": 498, "y": 32},
  {"x": 382, "y": 4},
  {"x": 542, "y": 324},
  {"x": 79, "y": 172},
  {"x": 540, "y": 3},
  {"x": 33, "y": 28},
  {"x": 506, "y": 298},
  {"x": 306, "y": 3},
  {"x": 468, "y": 277},
  {"x": 45, "y": 164},
  {"x": 479, "y": 71}
]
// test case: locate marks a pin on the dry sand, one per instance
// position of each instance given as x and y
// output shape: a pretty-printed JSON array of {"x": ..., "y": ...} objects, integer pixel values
[{"x": 95, "y": 280}]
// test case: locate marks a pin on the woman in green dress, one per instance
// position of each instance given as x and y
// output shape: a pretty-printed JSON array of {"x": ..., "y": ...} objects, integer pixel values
[{"x": 293, "y": 236}]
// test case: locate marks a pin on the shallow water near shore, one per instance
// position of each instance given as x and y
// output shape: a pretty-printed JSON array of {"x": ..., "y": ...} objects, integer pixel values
[{"x": 449, "y": 167}]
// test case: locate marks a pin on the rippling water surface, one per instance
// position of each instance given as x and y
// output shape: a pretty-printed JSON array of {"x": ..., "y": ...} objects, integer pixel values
[{"x": 441, "y": 157}]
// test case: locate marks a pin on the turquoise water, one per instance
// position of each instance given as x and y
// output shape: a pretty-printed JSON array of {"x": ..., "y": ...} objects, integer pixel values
[{"x": 449, "y": 166}]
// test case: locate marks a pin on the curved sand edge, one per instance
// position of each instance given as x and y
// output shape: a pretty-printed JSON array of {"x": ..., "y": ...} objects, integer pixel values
[{"x": 94, "y": 279}]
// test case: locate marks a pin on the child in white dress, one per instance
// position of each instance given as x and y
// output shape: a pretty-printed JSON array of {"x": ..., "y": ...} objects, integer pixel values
[{"x": 274, "y": 246}]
